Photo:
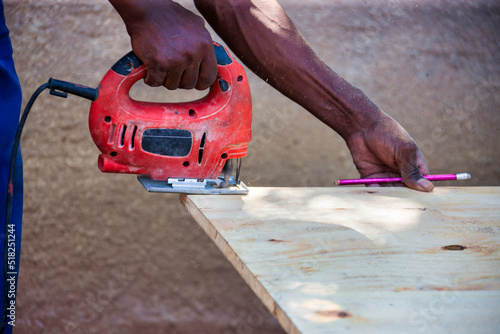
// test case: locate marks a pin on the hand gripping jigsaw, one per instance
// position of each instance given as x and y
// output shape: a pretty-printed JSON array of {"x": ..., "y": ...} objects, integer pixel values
[{"x": 174, "y": 147}]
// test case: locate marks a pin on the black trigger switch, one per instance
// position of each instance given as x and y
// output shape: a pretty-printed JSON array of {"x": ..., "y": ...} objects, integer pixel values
[{"x": 224, "y": 86}]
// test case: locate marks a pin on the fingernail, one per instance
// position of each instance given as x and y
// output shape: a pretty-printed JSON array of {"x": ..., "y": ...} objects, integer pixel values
[{"x": 425, "y": 184}]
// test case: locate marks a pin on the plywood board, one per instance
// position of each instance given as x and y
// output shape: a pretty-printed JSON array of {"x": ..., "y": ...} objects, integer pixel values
[{"x": 370, "y": 260}]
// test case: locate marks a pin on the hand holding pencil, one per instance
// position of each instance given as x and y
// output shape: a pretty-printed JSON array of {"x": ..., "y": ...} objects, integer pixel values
[{"x": 385, "y": 150}]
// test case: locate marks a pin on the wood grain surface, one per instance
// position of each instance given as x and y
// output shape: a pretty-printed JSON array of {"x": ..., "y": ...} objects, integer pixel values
[{"x": 371, "y": 260}]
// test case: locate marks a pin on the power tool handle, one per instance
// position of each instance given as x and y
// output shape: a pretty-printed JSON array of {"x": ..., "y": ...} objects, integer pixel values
[{"x": 130, "y": 61}]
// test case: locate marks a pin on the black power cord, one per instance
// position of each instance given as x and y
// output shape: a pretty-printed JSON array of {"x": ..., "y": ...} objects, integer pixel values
[{"x": 57, "y": 88}]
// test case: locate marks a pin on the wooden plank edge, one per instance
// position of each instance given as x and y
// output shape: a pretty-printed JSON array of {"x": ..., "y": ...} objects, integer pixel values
[{"x": 239, "y": 265}]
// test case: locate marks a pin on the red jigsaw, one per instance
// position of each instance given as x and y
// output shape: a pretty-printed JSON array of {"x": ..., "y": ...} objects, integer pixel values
[{"x": 188, "y": 140}]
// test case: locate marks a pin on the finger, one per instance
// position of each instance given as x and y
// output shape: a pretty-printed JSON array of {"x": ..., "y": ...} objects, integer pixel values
[
  {"x": 422, "y": 167},
  {"x": 155, "y": 74},
  {"x": 173, "y": 78},
  {"x": 208, "y": 71},
  {"x": 422, "y": 185},
  {"x": 155, "y": 78},
  {"x": 189, "y": 78}
]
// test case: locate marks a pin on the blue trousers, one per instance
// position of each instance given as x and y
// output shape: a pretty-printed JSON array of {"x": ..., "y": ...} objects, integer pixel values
[{"x": 10, "y": 106}]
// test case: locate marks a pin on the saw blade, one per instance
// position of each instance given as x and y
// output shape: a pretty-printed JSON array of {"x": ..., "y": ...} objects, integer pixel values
[
  {"x": 238, "y": 169},
  {"x": 227, "y": 171}
]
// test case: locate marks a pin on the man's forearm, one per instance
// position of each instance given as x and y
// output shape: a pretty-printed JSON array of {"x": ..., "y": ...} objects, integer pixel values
[
  {"x": 130, "y": 11},
  {"x": 266, "y": 40}
]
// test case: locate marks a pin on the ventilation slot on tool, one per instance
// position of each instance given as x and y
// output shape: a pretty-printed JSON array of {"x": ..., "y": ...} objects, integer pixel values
[
  {"x": 112, "y": 129},
  {"x": 123, "y": 131},
  {"x": 132, "y": 138},
  {"x": 202, "y": 148}
]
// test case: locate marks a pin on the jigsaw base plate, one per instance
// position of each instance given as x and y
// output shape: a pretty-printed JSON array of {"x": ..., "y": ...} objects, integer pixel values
[{"x": 193, "y": 186}]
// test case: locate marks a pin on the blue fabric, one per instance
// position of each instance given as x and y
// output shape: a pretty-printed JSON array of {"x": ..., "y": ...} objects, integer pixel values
[{"x": 10, "y": 106}]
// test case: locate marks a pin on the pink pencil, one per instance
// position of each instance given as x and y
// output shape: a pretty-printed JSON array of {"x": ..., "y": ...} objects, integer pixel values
[{"x": 440, "y": 177}]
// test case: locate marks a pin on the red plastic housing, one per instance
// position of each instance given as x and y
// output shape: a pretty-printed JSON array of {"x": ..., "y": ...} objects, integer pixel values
[{"x": 219, "y": 126}]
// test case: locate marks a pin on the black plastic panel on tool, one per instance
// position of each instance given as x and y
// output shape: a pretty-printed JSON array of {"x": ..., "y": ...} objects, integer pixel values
[
  {"x": 221, "y": 55},
  {"x": 167, "y": 142},
  {"x": 126, "y": 64}
]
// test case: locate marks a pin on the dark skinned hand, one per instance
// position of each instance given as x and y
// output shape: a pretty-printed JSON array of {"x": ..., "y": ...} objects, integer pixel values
[
  {"x": 171, "y": 41},
  {"x": 387, "y": 150}
]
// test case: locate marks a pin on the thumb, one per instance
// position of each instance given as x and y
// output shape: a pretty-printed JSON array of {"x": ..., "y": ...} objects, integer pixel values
[{"x": 412, "y": 171}]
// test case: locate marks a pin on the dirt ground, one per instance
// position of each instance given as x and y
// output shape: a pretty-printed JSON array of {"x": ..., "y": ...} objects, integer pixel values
[{"x": 101, "y": 255}]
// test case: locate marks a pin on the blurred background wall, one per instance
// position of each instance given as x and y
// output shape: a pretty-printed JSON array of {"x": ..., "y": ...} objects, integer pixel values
[{"x": 101, "y": 255}]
